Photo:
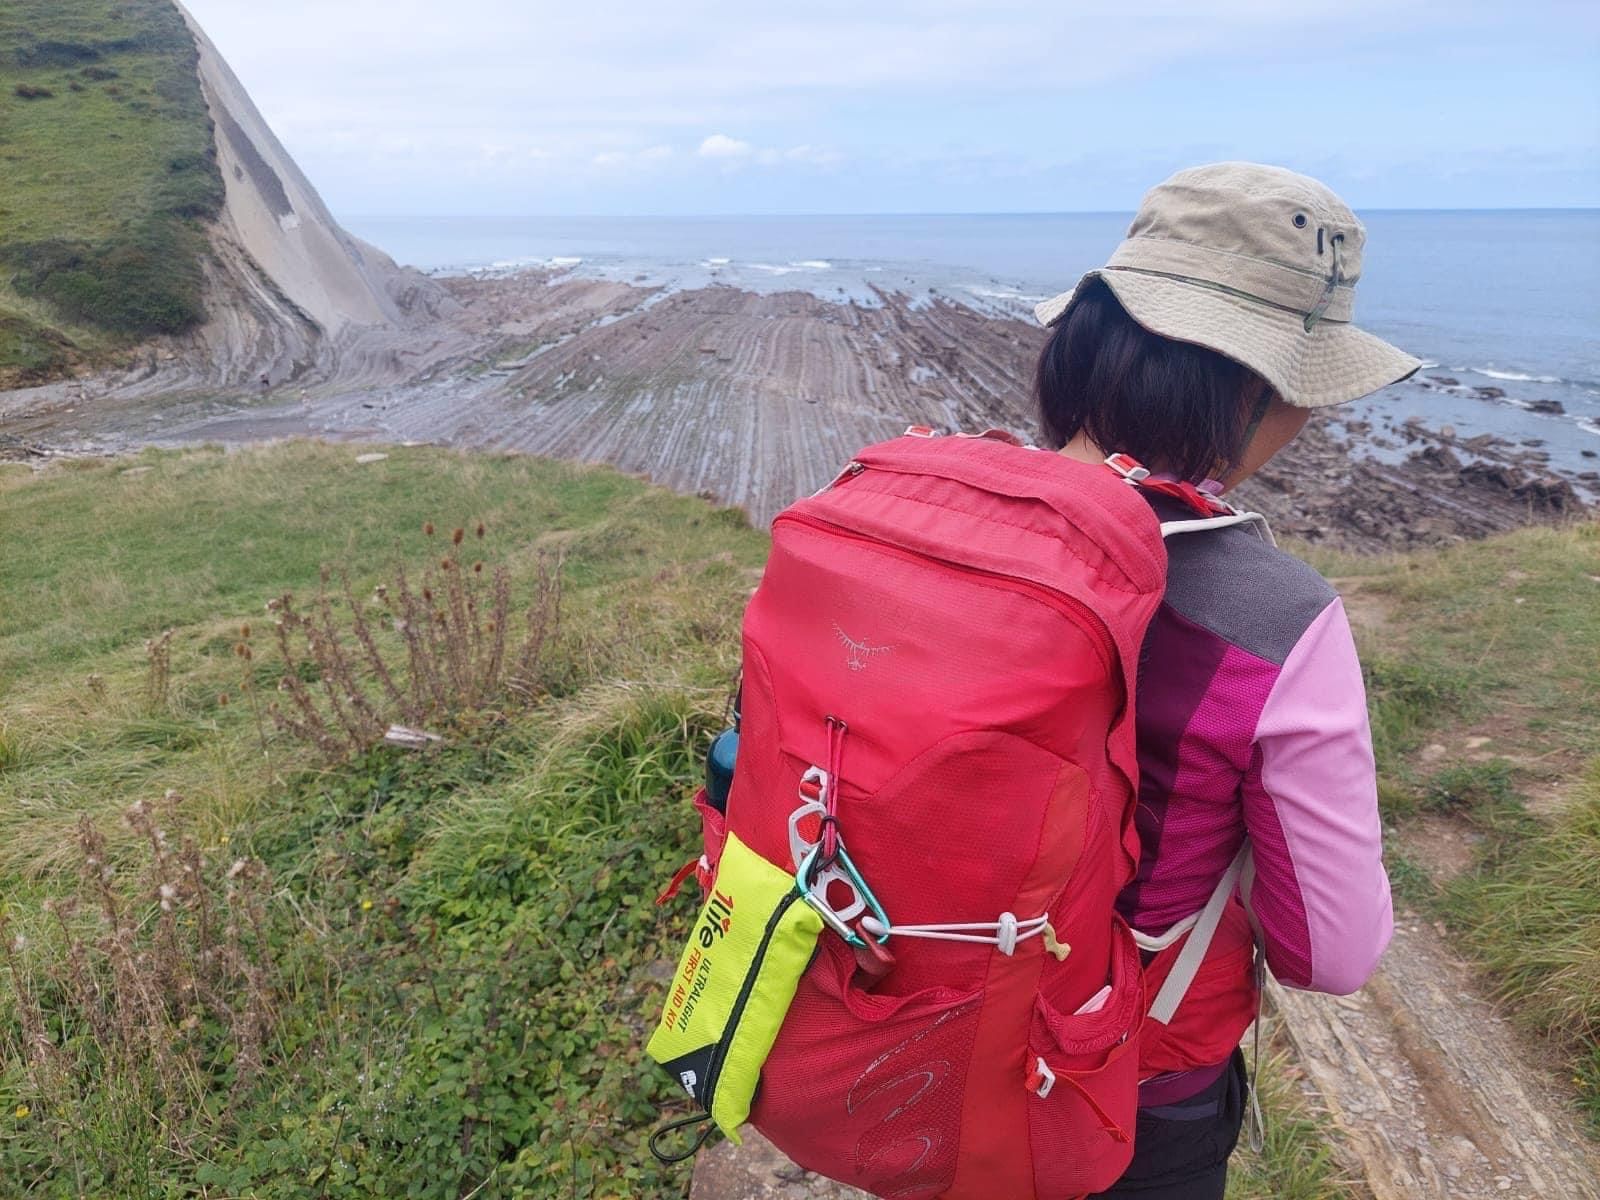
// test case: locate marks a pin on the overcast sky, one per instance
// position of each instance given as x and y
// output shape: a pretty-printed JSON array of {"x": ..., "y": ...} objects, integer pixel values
[{"x": 707, "y": 106}]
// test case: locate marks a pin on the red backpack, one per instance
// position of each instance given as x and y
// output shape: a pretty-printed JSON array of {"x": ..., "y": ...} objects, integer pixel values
[{"x": 939, "y": 667}]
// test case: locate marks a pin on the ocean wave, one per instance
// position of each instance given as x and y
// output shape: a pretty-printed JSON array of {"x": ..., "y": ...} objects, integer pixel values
[
  {"x": 717, "y": 262},
  {"x": 564, "y": 261},
  {"x": 1518, "y": 376},
  {"x": 1511, "y": 376},
  {"x": 806, "y": 264},
  {"x": 1003, "y": 293},
  {"x": 514, "y": 264}
]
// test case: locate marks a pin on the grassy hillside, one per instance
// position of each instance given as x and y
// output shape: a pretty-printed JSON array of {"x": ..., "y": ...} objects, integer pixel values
[{"x": 107, "y": 172}]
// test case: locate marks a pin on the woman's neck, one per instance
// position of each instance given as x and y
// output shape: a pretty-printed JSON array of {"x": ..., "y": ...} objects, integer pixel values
[{"x": 1081, "y": 449}]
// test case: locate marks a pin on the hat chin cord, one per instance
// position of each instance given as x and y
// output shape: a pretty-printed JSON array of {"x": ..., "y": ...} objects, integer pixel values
[
  {"x": 1257, "y": 415},
  {"x": 1335, "y": 272}
]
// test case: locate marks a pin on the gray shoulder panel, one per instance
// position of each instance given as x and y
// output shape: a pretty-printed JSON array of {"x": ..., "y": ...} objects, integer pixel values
[{"x": 1248, "y": 593}]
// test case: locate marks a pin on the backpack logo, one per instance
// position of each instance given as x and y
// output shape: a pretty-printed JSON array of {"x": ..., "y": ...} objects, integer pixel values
[
  {"x": 858, "y": 652},
  {"x": 688, "y": 1079}
]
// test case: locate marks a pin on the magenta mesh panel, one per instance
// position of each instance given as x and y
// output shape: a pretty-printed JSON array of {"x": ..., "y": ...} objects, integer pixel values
[
  {"x": 1276, "y": 897},
  {"x": 1191, "y": 833}
]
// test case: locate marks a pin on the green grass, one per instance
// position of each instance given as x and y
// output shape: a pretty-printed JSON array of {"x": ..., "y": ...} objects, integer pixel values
[
  {"x": 1295, "y": 1161},
  {"x": 1498, "y": 638},
  {"x": 464, "y": 944},
  {"x": 107, "y": 174},
  {"x": 1530, "y": 914}
]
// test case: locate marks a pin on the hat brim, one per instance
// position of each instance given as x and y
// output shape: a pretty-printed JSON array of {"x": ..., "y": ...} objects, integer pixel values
[{"x": 1333, "y": 363}]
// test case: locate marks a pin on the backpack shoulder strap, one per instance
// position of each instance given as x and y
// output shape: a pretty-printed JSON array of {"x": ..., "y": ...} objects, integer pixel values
[
  {"x": 1200, "y": 524},
  {"x": 1212, "y": 512},
  {"x": 1194, "y": 950}
]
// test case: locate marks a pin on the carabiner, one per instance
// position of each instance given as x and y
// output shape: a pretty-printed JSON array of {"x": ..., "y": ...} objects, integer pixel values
[{"x": 805, "y": 883}]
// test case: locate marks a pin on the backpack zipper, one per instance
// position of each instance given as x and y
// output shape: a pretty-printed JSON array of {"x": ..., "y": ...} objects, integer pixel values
[
  {"x": 714, "y": 1067},
  {"x": 1076, "y": 610},
  {"x": 869, "y": 458}
]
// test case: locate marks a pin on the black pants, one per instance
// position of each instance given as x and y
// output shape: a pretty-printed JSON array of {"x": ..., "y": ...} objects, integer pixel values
[{"x": 1180, "y": 1151}]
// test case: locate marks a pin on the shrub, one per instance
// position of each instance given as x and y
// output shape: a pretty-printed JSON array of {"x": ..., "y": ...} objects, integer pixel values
[
  {"x": 146, "y": 280},
  {"x": 51, "y": 53},
  {"x": 133, "y": 1012},
  {"x": 418, "y": 653},
  {"x": 28, "y": 91},
  {"x": 192, "y": 186},
  {"x": 30, "y": 353}
]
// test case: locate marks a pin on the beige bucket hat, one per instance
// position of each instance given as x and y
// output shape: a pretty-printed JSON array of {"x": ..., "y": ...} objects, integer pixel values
[{"x": 1257, "y": 263}]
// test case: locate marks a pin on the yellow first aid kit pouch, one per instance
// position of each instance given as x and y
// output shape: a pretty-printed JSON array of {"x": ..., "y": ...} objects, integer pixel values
[{"x": 752, "y": 941}]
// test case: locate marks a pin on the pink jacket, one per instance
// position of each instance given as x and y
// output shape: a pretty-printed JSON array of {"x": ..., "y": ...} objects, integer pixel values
[{"x": 1252, "y": 719}]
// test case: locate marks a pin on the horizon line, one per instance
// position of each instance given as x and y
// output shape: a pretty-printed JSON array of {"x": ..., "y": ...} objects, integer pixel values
[{"x": 1593, "y": 206}]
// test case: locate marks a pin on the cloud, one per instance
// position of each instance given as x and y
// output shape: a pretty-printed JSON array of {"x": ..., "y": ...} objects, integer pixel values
[
  {"x": 649, "y": 156},
  {"x": 720, "y": 145},
  {"x": 494, "y": 103},
  {"x": 732, "y": 151}
]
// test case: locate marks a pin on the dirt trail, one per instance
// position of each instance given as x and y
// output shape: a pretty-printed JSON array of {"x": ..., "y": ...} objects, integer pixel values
[{"x": 1434, "y": 1093}]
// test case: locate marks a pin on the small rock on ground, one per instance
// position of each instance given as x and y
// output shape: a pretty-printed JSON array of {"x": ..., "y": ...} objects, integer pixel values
[{"x": 757, "y": 1170}]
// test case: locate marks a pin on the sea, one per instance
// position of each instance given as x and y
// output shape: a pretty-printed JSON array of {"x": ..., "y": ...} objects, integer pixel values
[{"x": 1502, "y": 305}]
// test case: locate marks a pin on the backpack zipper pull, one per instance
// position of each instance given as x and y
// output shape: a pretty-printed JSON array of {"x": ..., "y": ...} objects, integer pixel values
[
  {"x": 1052, "y": 946},
  {"x": 850, "y": 470}
]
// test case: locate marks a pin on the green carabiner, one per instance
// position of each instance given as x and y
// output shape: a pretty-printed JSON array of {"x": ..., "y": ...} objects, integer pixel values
[{"x": 829, "y": 917}]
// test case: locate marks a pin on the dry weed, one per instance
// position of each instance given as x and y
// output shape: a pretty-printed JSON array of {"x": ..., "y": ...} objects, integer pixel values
[
  {"x": 140, "y": 993},
  {"x": 158, "y": 674},
  {"x": 419, "y": 652}
]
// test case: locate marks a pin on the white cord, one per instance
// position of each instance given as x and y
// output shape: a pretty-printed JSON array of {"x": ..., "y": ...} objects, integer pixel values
[
  {"x": 1003, "y": 934},
  {"x": 1160, "y": 942}
]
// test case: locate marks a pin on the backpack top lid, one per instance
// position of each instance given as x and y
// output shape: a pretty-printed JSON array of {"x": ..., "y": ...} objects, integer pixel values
[{"x": 1100, "y": 505}]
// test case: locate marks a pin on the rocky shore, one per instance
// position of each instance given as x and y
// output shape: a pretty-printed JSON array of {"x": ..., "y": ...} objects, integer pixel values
[{"x": 756, "y": 399}]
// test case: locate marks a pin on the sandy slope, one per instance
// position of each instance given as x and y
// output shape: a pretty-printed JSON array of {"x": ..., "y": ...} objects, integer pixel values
[
  {"x": 276, "y": 216},
  {"x": 293, "y": 294}
]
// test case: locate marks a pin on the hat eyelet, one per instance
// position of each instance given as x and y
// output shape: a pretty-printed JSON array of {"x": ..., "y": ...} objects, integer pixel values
[{"x": 1299, "y": 220}]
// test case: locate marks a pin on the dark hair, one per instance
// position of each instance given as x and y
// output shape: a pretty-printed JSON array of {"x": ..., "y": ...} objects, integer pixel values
[{"x": 1174, "y": 406}]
